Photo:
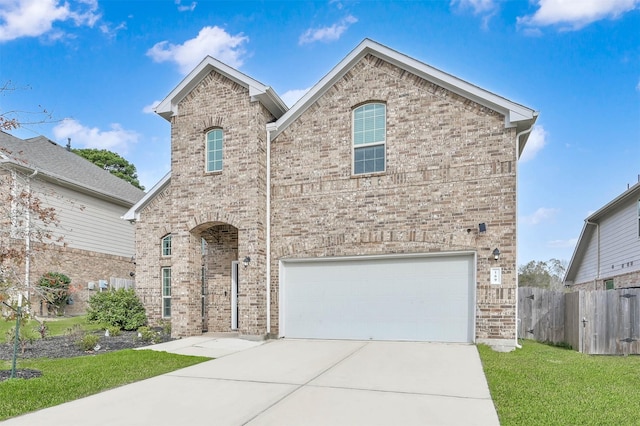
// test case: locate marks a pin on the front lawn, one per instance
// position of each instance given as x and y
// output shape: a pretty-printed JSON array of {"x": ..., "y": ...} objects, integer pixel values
[
  {"x": 545, "y": 385},
  {"x": 67, "y": 379}
]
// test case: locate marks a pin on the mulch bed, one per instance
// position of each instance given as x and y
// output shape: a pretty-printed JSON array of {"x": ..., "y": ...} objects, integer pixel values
[{"x": 66, "y": 347}]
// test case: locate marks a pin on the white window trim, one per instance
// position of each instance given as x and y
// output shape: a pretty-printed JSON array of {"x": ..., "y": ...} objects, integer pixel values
[
  {"x": 367, "y": 145},
  {"x": 206, "y": 151},
  {"x": 162, "y": 240},
  {"x": 164, "y": 297}
]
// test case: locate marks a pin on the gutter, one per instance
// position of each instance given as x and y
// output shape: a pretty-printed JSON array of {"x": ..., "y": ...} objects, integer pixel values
[{"x": 271, "y": 127}]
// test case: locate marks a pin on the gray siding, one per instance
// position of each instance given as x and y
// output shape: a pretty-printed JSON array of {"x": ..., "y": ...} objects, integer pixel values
[
  {"x": 619, "y": 246},
  {"x": 86, "y": 222}
]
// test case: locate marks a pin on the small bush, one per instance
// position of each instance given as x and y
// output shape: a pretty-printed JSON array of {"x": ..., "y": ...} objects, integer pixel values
[
  {"x": 147, "y": 334},
  {"x": 120, "y": 308},
  {"x": 113, "y": 330},
  {"x": 74, "y": 333},
  {"x": 42, "y": 329},
  {"x": 166, "y": 327},
  {"x": 88, "y": 342},
  {"x": 55, "y": 287}
]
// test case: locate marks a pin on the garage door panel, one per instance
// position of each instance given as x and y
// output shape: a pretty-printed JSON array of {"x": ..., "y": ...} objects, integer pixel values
[{"x": 394, "y": 298}]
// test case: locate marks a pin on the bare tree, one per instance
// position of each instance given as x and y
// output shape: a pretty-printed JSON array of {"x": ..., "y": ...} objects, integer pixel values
[{"x": 14, "y": 119}]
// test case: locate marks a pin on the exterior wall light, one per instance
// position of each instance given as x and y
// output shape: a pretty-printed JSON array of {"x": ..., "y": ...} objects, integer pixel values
[
  {"x": 246, "y": 261},
  {"x": 496, "y": 254}
]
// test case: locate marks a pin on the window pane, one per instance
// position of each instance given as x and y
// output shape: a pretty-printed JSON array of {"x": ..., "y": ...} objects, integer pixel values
[
  {"x": 369, "y": 160},
  {"x": 166, "y": 246},
  {"x": 214, "y": 150}
]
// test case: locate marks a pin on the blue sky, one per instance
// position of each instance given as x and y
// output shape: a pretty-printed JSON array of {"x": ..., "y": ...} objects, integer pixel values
[{"x": 98, "y": 68}]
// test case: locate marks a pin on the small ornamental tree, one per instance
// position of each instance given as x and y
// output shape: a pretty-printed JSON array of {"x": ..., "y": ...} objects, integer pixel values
[{"x": 54, "y": 287}]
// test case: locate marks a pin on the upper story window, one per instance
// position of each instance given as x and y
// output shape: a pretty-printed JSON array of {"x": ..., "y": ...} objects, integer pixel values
[
  {"x": 638, "y": 218},
  {"x": 166, "y": 245},
  {"x": 214, "y": 150},
  {"x": 369, "y": 138}
]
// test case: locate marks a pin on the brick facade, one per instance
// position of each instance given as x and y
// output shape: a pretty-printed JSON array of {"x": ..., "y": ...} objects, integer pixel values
[
  {"x": 630, "y": 279},
  {"x": 450, "y": 165}
]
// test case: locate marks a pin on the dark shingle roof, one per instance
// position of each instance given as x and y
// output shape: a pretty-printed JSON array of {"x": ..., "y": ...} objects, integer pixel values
[{"x": 56, "y": 162}]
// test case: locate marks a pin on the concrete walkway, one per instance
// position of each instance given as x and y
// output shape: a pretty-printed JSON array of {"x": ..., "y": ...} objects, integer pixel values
[{"x": 296, "y": 382}]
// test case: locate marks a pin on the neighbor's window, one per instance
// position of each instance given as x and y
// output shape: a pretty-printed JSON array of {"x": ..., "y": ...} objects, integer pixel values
[
  {"x": 608, "y": 284},
  {"x": 369, "y": 138},
  {"x": 166, "y": 292},
  {"x": 638, "y": 218},
  {"x": 166, "y": 245},
  {"x": 214, "y": 150}
]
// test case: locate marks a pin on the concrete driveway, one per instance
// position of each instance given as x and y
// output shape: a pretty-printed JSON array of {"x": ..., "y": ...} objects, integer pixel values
[{"x": 299, "y": 382}]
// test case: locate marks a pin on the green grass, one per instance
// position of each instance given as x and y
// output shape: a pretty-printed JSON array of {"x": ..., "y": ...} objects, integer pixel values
[
  {"x": 545, "y": 385},
  {"x": 69, "y": 379},
  {"x": 56, "y": 326}
]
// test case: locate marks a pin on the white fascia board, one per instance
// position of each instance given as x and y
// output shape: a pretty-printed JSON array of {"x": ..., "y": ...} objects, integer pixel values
[
  {"x": 513, "y": 112},
  {"x": 134, "y": 212},
  {"x": 257, "y": 91}
]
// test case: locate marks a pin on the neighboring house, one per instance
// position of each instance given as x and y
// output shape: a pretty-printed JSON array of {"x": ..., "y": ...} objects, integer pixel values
[
  {"x": 369, "y": 210},
  {"x": 90, "y": 242},
  {"x": 607, "y": 255}
]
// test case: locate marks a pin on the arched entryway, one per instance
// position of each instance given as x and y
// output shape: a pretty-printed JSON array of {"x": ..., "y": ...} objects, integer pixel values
[{"x": 218, "y": 272}]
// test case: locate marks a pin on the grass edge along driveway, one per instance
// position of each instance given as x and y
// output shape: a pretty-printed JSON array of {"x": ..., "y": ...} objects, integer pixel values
[
  {"x": 67, "y": 379},
  {"x": 545, "y": 385}
]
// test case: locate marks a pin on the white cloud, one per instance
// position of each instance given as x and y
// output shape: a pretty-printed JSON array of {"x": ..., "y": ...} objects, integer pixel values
[
  {"x": 326, "y": 34},
  {"x": 212, "y": 41},
  {"x": 537, "y": 140},
  {"x": 185, "y": 8},
  {"x": 478, "y": 6},
  {"x": 290, "y": 97},
  {"x": 115, "y": 139},
  {"x": 33, "y": 18},
  {"x": 541, "y": 215},
  {"x": 571, "y": 242},
  {"x": 574, "y": 14},
  {"x": 486, "y": 8},
  {"x": 151, "y": 108}
]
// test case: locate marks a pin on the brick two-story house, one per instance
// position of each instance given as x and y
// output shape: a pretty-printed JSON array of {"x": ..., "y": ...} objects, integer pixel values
[{"x": 372, "y": 209}]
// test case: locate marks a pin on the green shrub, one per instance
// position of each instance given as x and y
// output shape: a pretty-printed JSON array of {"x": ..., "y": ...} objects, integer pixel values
[
  {"x": 88, "y": 342},
  {"x": 55, "y": 288},
  {"x": 120, "y": 308},
  {"x": 113, "y": 330},
  {"x": 147, "y": 334}
]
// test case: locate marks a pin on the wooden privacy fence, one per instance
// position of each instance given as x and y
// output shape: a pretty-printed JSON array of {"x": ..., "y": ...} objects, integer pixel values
[{"x": 605, "y": 322}]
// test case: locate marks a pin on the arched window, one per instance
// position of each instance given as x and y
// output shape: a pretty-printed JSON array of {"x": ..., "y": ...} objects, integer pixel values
[
  {"x": 369, "y": 138},
  {"x": 214, "y": 150},
  {"x": 166, "y": 245}
]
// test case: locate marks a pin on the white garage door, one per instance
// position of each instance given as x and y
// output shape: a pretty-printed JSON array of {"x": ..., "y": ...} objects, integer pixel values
[{"x": 423, "y": 298}]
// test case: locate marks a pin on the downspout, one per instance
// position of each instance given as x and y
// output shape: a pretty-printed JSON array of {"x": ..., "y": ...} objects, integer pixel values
[
  {"x": 270, "y": 128},
  {"x": 524, "y": 132},
  {"x": 595, "y": 281},
  {"x": 27, "y": 238}
]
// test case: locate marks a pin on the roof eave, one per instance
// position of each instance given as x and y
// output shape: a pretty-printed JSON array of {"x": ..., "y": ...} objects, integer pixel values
[
  {"x": 257, "y": 91},
  {"x": 133, "y": 213},
  {"x": 516, "y": 115}
]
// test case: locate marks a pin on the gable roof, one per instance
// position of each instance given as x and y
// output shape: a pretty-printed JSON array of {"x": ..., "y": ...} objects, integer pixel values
[
  {"x": 590, "y": 226},
  {"x": 134, "y": 211},
  {"x": 66, "y": 168},
  {"x": 257, "y": 91},
  {"x": 516, "y": 115}
]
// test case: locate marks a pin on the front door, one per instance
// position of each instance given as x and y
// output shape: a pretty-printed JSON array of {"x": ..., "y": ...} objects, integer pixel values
[{"x": 234, "y": 294}]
